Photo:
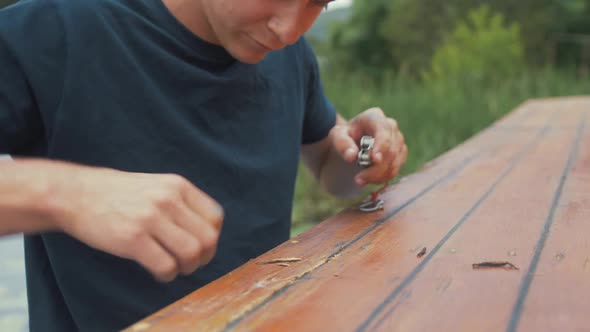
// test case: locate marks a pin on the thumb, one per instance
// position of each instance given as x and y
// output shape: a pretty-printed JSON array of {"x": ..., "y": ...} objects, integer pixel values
[{"x": 343, "y": 143}]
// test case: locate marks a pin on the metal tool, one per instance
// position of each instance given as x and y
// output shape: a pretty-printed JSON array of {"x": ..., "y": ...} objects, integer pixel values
[
  {"x": 364, "y": 161},
  {"x": 364, "y": 155}
]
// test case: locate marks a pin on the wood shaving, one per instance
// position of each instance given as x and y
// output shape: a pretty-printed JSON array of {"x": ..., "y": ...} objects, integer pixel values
[
  {"x": 421, "y": 253},
  {"x": 495, "y": 264},
  {"x": 280, "y": 260}
]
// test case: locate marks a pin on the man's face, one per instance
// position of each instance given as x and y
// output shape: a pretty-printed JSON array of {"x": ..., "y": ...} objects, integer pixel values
[{"x": 250, "y": 29}]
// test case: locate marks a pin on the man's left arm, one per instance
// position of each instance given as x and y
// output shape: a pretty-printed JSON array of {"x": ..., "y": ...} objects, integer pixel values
[{"x": 333, "y": 159}]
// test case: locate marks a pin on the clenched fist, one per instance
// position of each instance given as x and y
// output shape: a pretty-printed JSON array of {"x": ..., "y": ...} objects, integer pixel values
[{"x": 161, "y": 221}]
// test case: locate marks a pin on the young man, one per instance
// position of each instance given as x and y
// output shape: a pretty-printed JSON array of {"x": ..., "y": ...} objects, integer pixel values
[{"x": 138, "y": 125}]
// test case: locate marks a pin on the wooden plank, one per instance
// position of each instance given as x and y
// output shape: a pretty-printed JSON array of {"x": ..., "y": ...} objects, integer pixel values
[
  {"x": 505, "y": 227},
  {"x": 487, "y": 199},
  {"x": 387, "y": 257},
  {"x": 429, "y": 220},
  {"x": 558, "y": 296}
]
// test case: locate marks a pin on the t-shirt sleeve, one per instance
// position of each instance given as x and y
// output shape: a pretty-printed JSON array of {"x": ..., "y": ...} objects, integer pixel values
[
  {"x": 31, "y": 67},
  {"x": 320, "y": 115}
]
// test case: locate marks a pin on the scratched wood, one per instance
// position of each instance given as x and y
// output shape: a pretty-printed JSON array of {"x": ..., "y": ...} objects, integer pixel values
[{"x": 517, "y": 192}]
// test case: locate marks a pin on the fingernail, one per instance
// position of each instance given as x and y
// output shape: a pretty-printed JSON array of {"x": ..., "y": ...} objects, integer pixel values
[
  {"x": 378, "y": 156},
  {"x": 349, "y": 154}
]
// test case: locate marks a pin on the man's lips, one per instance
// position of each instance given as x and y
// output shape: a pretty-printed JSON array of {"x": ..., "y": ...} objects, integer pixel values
[{"x": 264, "y": 47}]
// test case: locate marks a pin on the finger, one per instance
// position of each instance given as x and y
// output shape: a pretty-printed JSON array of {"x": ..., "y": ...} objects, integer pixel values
[
  {"x": 156, "y": 259},
  {"x": 344, "y": 144},
  {"x": 375, "y": 174},
  {"x": 396, "y": 146},
  {"x": 399, "y": 162},
  {"x": 372, "y": 122},
  {"x": 367, "y": 123},
  {"x": 185, "y": 248},
  {"x": 203, "y": 205},
  {"x": 385, "y": 138},
  {"x": 206, "y": 234},
  {"x": 402, "y": 156},
  {"x": 394, "y": 172},
  {"x": 381, "y": 173}
]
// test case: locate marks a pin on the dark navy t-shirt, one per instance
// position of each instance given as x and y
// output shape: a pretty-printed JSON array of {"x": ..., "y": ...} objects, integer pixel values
[{"x": 122, "y": 84}]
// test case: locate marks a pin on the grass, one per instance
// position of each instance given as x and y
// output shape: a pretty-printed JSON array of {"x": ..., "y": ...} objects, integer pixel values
[{"x": 434, "y": 118}]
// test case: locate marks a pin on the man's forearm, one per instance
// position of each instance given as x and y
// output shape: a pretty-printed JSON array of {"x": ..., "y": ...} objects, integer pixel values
[{"x": 25, "y": 197}]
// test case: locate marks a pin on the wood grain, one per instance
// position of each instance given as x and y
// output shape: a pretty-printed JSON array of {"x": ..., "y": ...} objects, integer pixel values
[{"x": 516, "y": 192}]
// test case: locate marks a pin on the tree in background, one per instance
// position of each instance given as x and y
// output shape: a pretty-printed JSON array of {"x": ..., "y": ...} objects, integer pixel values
[
  {"x": 481, "y": 48},
  {"x": 358, "y": 43},
  {"x": 403, "y": 35}
]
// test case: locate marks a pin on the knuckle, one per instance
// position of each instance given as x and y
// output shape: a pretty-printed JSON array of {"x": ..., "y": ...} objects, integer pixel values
[
  {"x": 176, "y": 182},
  {"x": 402, "y": 138},
  {"x": 393, "y": 124},
  {"x": 164, "y": 202},
  {"x": 334, "y": 131},
  {"x": 129, "y": 242},
  {"x": 134, "y": 235},
  {"x": 376, "y": 110},
  {"x": 147, "y": 217},
  {"x": 388, "y": 125},
  {"x": 386, "y": 130},
  {"x": 386, "y": 145},
  {"x": 392, "y": 151},
  {"x": 338, "y": 130},
  {"x": 169, "y": 204}
]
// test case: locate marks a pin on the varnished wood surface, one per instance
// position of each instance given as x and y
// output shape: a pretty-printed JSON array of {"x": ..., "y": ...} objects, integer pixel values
[{"x": 518, "y": 192}]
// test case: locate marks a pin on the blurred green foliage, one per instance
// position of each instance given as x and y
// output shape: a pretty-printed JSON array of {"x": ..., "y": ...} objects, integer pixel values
[
  {"x": 480, "y": 48},
  {"x": 403, "y": 35}
]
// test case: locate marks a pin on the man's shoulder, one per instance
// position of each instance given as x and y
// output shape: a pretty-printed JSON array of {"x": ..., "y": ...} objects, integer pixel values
[
  {"x": 35, "y": 14},
  {"x": 49, "y": 6}
]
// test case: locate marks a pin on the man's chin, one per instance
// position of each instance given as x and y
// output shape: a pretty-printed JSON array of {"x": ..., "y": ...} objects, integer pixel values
[{"x": 249, "y": 57}]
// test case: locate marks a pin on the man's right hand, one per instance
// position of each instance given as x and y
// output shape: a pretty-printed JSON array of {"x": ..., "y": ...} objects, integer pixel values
[{"x": 161, "y": 221}]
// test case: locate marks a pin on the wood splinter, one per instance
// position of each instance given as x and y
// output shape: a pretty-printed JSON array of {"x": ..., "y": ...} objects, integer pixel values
[
  {"x": 421, "y": 253},
  {"x": 490, "y": 265},
  {"x": 280, "y": 261}
]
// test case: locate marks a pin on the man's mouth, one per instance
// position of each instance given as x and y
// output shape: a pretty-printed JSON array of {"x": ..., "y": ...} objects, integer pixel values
[{"x": 263, "y": 46}]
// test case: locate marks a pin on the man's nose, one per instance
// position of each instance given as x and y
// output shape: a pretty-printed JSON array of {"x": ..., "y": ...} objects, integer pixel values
[{"x": 287, "y": 25}]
